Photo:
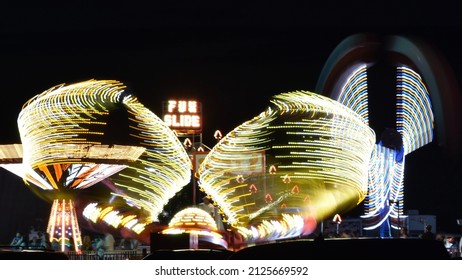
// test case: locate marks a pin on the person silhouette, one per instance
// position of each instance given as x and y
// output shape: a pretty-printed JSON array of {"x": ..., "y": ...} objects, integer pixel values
[
  {"x": 211, "y": 209},
  {"x": 428, "y": 234},
  {"x": 17, "y": 241}
]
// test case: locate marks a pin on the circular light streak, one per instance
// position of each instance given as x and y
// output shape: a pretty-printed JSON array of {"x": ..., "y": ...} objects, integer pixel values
[{"x": 306, "y": 152}]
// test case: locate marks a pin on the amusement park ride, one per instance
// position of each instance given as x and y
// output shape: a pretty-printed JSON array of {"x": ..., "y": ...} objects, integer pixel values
[
  {"x": 65, "y": 149},
  {"x": 306, "y": 158}
]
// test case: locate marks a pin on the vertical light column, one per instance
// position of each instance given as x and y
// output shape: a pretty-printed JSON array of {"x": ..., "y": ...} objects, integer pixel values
[{"x": 63, "y": 225}]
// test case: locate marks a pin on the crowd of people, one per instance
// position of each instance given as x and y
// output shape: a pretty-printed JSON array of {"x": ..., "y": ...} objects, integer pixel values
[
  {"x": 99, "y": 244},
  {"x": 451, "y": 242},
  {"x": 102, "y": 244},
  {"x": 33, "y": 240}
]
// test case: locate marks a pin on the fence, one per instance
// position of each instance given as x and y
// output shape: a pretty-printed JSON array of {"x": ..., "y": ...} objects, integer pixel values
[{"x": 108, "y": 255}]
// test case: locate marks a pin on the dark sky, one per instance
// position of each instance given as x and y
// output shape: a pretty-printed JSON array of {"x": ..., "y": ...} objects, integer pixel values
[{"x": 231, "y": 57}]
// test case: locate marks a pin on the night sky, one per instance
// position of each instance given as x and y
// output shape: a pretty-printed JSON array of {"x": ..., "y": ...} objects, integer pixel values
[{"x": 231, "y": 58}]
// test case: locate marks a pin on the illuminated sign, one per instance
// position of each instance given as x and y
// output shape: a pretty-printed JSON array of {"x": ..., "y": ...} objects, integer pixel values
[
  {"x": 183, "y": 115},
  {"x": 248, "y": 163}
]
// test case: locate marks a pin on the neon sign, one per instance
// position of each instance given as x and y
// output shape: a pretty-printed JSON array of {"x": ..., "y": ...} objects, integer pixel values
[{"x": 183, "y": 115}]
